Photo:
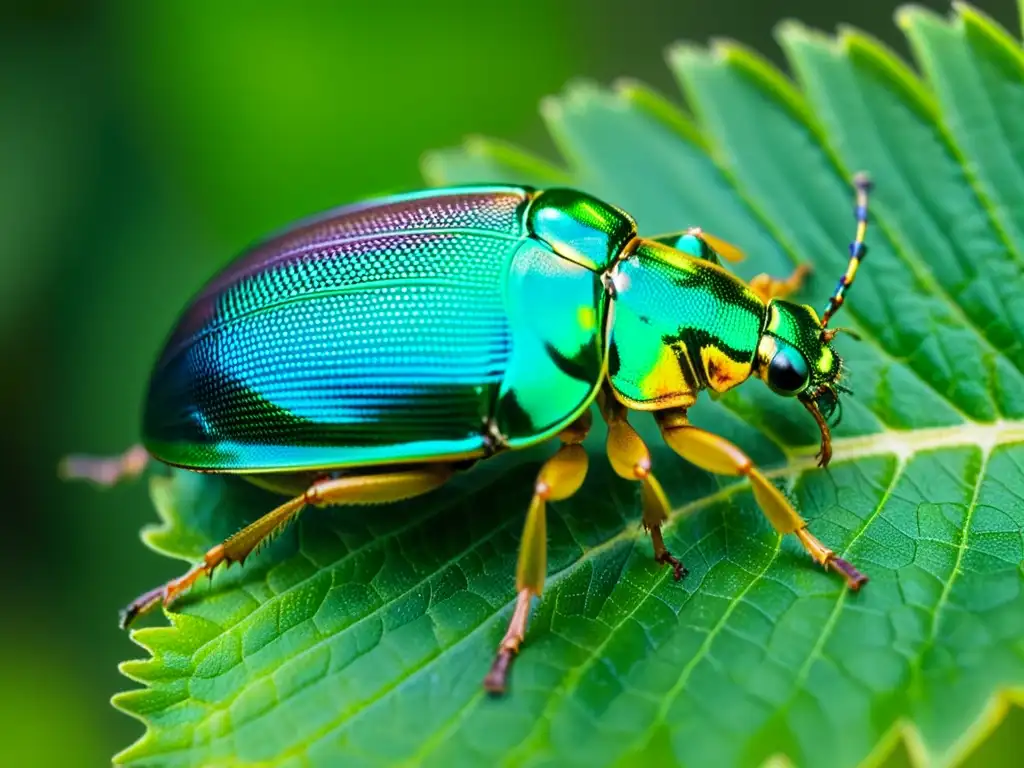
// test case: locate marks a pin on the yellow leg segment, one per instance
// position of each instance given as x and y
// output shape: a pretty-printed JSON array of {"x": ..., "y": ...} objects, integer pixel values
[
  {"x": 768, "y": 287},
  {"x": 353, "y": 489},
  {"x": 631, "y": 459},
  {"x": 718, "y": 455},
  {"x": 105, "y": 470},
  {"x": 559, "y": 478}
]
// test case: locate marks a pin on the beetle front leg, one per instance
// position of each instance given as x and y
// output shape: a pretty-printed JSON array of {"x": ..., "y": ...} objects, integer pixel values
[
  {"x": 768, "y": 287},
  {"x": 631, "y": 459},
  {"x": 718, "y": 455},
  {"x": 352, "y": 489},
  {"x": 105, "y": 470},
  {"x": 559, "y": 478}
]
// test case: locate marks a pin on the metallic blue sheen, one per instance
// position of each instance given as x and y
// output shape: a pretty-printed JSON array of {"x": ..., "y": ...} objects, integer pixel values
[{"x": 375, "y": 334}]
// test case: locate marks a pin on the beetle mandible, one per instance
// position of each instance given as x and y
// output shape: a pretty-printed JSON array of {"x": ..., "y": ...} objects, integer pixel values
[{"x": 365, "y": 355}]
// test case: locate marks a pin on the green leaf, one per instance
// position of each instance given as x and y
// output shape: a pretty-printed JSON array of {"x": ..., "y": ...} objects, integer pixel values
[{"x": 360, "y": 637}]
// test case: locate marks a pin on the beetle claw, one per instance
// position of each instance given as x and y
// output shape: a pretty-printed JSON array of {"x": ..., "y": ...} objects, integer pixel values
[
  {"x": 679, "y": 571},
  {"x": 140, "y": 605},
  {"x": 854, "y": 578}
]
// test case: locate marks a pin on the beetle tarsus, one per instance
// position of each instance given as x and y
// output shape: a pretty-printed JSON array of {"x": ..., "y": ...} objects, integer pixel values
[
  {"x": 142, "y": 604},
  {"x": 167, "y": 593},
  {"x": 679, "y": 571},
  {"x": 854, "y": 578},
  {"x": 496, "y": 682},
  {"x": 663, "y": 556}
]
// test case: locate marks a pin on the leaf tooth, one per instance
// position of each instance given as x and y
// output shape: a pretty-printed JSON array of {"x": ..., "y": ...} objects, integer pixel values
[
  {"x": 753, "y": 65},
  {"x": 684, "y": 48},
  {"x": 550, "y": 107},
  {"x": 794, "y": 28},
  {"x": 146, "y": 747},
  {"x": 196, "y": 629},
  {"x": 725, "y": 48},
  {"x": 857, "y": 43},
  {"x": 907, "y": 16},
  {"x": 158, "y": 640},
  {"x": 648, "y": 101},
  {"x": 976, "y": 20},
  {"x": 141, "y": 702},
  {"x": 161, "y": 666},
  {"x": 519, "y": 161},
  {"x": 145, "y": 671}
]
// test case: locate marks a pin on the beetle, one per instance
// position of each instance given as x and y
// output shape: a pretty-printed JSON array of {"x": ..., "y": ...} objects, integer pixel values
[{"x": 367, "y": 354}]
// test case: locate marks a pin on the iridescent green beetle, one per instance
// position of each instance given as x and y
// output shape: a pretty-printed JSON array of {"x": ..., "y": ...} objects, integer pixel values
[{"x": 366, "y": 355}]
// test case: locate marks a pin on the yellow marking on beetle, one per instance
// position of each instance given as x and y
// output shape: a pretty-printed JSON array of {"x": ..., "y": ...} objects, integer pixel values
[
  {"x": 826, "y": 360},
  {"x": 722, "y": 371},
  {"x": 851, "y": 271},
  {"x": 586, "y": 317},
  {"x": 665, "y": 378},
  {"x": 766, "y": 349}
]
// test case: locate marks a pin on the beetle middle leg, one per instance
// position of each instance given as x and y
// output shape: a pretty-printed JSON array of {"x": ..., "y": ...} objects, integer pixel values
[
  {"x": 631, "y": 459},
  {"x": 559, "y": 478},
  {"x": 768, "y": 287},
  {"x": 716, "y": 454},
  {"x": 348, "y": 490}
]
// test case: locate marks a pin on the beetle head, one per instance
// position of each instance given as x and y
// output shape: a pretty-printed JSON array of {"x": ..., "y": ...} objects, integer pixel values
[
  {"x": 795, "y": 358},
  {"x": 795, "y": 355}
]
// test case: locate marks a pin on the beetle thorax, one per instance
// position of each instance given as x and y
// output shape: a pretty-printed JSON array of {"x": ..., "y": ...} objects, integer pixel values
[{"x": 679, "y": 325}]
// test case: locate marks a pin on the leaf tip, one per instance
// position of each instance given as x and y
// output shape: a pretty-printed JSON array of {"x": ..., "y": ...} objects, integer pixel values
[
  {"x": 626, "y": 86},
  {"x": 683, "y": 53},
  {"x": 142, "y": 747},
  {"x": 579, "y": 92},
  {"x": 908, "y": 16},
  {"x": 850, "y": 39},
  {"x": 651, "y": 103},
  {"x": 793, "y": 30},
  {"x": 432, "y": 165},
  {"x": 963, "y": 9},
  {"x": 551, "y": 107},
  {"x": 727, "y": 50}
]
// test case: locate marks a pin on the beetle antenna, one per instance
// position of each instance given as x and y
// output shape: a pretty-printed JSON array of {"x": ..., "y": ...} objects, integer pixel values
[{"x": 858, "y": 250}]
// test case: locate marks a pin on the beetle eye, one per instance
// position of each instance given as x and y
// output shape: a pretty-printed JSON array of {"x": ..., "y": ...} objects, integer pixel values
[{"x": 788, "y": 372}]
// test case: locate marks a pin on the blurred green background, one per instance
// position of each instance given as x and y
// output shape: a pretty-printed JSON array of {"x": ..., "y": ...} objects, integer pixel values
[{"x": 142, "y": 144}]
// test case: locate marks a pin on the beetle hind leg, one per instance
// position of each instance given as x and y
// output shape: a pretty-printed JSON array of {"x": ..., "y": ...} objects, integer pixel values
[
  {"x": 631, "y": 459},
  {"x": 104, "y": 470},
  {"x": 718, "y": 455},
  {"x": 348, "y": 490},
  {"x": 559, "y": 478}
]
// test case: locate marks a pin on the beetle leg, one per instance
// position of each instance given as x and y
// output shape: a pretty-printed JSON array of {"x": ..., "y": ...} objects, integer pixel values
[
  {"x": 105, "y": 470},
  {"x": 559, "y": 478},
  {"x": 350, "y": 489},
  {"x": 768, "y": 287},
  {"x": 631, "y": 459},
  {"x": 716, "y": 454}
]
